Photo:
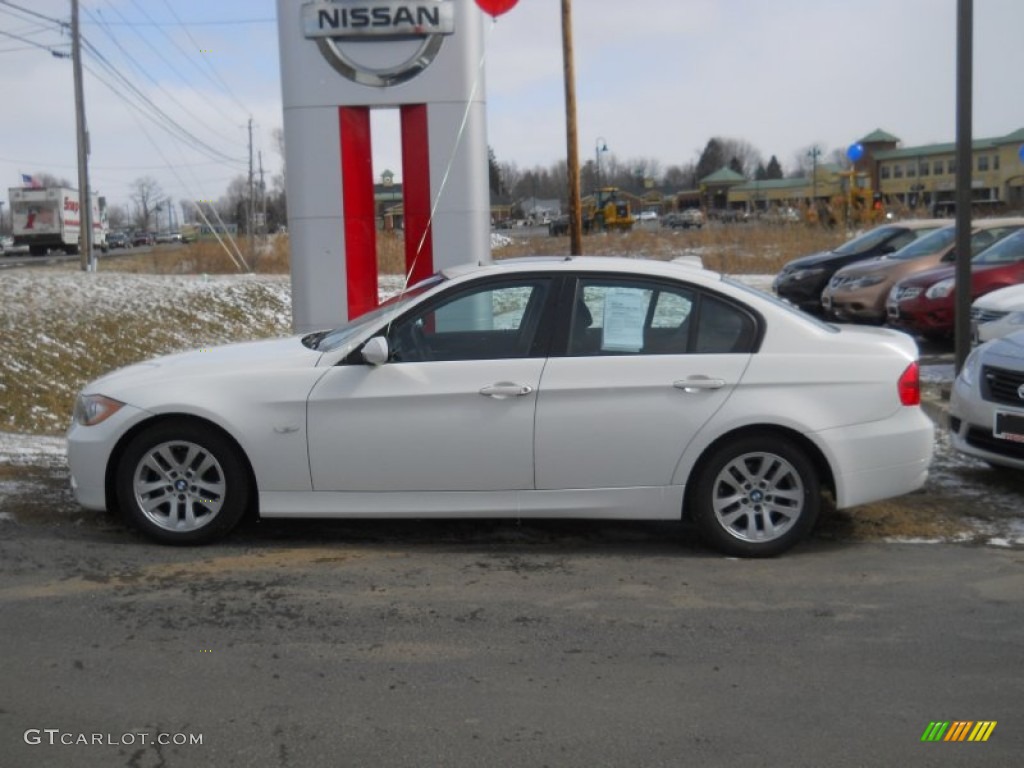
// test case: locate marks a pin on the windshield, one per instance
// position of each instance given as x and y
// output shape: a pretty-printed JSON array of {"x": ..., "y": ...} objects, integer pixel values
[
  {"x": 1006, "y": 251},
  {"x": 867, "y": 241},
  {"x": 331, "y": 340},
  {"x": 932, "y": 243}
]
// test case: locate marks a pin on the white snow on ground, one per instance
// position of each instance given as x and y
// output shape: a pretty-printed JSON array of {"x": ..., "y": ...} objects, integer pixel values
[{"x": 36, "y": 450}]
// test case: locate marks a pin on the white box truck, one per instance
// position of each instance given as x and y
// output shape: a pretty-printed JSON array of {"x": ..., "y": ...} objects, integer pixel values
[{"x": 49, "y": 219}]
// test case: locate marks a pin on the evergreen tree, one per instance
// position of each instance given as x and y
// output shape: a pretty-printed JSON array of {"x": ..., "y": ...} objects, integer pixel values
[
  {"x": 761, "y": 173},
  {"x": 711, "y": 159},
  {"x": 774, "y": 170},
  {"x": 736, "y": 165}
]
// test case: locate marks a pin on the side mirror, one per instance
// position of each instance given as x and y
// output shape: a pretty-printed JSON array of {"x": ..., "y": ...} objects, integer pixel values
[{"x": 375, "y": 351}]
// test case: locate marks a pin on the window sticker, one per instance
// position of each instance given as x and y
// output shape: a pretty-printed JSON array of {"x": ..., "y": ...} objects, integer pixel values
[{"x": 623, "y": 326}]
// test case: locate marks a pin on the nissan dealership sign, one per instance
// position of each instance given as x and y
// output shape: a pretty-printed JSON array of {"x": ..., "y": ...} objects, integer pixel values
[
  {"x": 340, "y": 60},
  {"x": 345, "y": 31}
]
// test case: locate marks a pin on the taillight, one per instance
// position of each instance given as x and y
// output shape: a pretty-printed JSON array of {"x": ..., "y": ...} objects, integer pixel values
[{"x": 909, "y": 385}]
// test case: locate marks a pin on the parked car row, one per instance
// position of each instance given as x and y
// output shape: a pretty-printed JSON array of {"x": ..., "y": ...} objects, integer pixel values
[{"x": 903, "y": 274}]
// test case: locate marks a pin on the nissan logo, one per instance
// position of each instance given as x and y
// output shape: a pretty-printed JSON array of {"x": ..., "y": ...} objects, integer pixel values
[{"x": 345, "y": 30}]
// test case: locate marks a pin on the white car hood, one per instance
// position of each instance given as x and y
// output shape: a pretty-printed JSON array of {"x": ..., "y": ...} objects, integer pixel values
[
  {"x": 252, "y": 356},
  {"x": 1009, "y": 299}
]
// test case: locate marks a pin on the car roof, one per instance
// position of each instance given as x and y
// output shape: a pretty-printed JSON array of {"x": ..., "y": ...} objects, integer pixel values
[
  {"x": 685, "y": 266},
  {"x": 922, "y": 223}
]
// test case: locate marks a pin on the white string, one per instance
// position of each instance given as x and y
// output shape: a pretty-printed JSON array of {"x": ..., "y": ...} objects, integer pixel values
[{"x": 451, "y": 160}]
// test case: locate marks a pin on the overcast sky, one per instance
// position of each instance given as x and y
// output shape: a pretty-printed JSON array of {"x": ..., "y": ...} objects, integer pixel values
[{"x": 655, "y": 79}]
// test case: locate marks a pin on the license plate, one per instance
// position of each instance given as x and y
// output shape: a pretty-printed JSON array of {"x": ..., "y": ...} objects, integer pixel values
[
  {"x": 826, "y": 301},
  {"x": 892, "y": 311},
  {"x": 1009, "y": 426}
]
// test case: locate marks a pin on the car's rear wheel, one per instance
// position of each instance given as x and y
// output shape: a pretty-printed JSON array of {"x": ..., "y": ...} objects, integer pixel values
[
  {"x": 756, "y": 496},
  {"x": 182, "y": 483}
]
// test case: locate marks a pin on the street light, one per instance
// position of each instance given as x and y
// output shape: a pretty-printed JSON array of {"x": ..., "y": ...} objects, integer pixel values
[
  {"x": 599, "y": 147},
  {"x": 814, "y": 153}
]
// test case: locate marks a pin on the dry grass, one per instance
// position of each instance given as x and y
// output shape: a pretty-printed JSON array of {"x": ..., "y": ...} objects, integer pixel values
[
  {"x": 61, "y": 330},
  {"x": 732, "y": 249},
  {"x": 206, "y": 257}
]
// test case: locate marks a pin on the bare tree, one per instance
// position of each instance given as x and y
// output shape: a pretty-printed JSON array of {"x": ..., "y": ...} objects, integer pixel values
[
  {"x": 147, "y": 196},
  {"x": 44, "y": 179},
  {"x": 117, "y": 216},
  {"x": 746, "y": 155}
]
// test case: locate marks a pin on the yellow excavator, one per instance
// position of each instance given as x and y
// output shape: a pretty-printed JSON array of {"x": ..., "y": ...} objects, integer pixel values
[{"x": 611, "y": 210}]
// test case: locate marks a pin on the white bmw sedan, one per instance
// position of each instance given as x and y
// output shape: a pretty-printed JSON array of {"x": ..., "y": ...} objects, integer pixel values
[{"x": 583, "y": 387}]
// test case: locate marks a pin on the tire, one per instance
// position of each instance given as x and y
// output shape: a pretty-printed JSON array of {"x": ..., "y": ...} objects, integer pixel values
[
  {"x": 181, "y": 483},
  {"x": 756, "y": 496}
]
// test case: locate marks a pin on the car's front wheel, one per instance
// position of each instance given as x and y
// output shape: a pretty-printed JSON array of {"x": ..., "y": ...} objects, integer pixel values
[
  {"x": 182, "y": 483},
  {"x": 756, "y": 496}
]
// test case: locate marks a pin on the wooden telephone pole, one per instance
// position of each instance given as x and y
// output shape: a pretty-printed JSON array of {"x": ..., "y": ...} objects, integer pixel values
[
  {"x": 85, "y": 249},
  {"x": 572, "y": 155}
]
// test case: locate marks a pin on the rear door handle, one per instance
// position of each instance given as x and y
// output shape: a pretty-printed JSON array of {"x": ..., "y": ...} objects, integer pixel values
[
  {"x": 698, "y": 383},
  {"x": 504, "y": 389}
]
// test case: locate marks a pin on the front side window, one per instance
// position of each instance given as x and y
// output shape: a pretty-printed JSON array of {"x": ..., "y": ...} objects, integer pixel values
[
  {"x": 625, "y": 317},
  {"x": 490, "y": 322}
]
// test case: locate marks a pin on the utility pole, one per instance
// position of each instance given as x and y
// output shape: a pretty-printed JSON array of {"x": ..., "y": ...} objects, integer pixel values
[
  {"x": 250, "y": 208},
  {"x": 573, "y": 157},
  {"x": 88, "y": 262},
  {"x": 263, "y": 199},
  {"x": 964, "y": 171}
]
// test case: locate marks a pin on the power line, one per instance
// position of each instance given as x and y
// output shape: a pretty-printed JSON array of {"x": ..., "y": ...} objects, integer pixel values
[
  {"x": 170, "y": 125},
  {"x": 206, "y": 59},
  {"x": 34, "y": 44},
  {"x": 142, "y": 71},
  {"x": 30, "y": 12},
  {"x": 222, "y": 22}
]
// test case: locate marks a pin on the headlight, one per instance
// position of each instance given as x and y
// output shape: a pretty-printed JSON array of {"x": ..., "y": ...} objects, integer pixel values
[
  {"x": 91, "y": 410},
  {"x": 969, "y": 373},
  {"x": 941, "y": 289},
  {"x": 802, "y": 274},
  {"x": 865, "y": 282}
]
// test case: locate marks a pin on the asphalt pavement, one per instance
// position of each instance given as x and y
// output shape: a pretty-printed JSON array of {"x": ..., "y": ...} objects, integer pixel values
[{"x": 498, "y": 644}]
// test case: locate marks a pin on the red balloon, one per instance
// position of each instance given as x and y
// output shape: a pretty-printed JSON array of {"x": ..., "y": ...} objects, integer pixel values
[{"x": 496, "y": 7}]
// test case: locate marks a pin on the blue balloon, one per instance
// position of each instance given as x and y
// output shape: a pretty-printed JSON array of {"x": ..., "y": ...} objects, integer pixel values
[
  {"x": 855, "y": 152},
  {"x": 1021, "y": 153}
]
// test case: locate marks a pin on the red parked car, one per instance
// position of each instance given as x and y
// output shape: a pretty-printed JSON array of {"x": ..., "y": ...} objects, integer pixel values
[{"x": 924, "y": 303}]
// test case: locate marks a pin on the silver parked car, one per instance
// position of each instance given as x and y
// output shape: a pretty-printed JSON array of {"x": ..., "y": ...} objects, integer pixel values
[{"x": 986, "y": 416}]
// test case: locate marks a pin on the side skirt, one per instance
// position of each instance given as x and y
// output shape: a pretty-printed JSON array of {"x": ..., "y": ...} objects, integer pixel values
[{"x": 646, "y": 503}]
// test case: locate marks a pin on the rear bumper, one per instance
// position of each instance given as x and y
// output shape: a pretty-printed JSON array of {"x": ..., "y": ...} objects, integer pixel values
[{"x": 881, "y": 459}]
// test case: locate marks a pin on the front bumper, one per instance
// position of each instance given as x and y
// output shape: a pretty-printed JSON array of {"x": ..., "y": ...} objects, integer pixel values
[
  {"x": 89, "y": 451},
  {"x": 804, "y": 292},
  {"x": 922, "y": 315},
  {"x": 971, "y": 421}
]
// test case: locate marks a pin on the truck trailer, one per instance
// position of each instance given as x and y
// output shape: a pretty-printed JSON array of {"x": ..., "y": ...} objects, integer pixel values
[{"x": 49, "y": 219}]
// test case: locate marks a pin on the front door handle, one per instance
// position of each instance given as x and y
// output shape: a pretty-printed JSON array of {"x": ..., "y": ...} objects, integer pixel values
[
  {"x": 693, "y": 384},
  {"x": 504, "y": 389}
]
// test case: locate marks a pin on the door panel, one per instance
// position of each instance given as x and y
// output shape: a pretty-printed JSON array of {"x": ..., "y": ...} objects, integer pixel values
[
  {"x": 615, "y": 422},
  {"x": 424, "y": 426}
]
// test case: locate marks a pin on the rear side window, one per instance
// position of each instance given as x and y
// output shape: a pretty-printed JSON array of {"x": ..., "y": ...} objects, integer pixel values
[{"x": 623, "y": 316}]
